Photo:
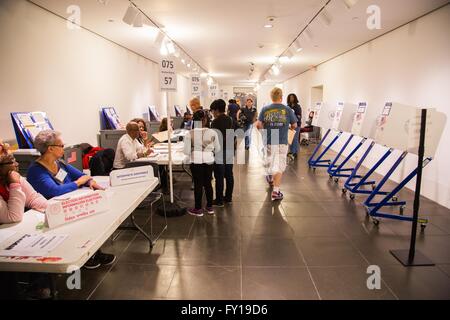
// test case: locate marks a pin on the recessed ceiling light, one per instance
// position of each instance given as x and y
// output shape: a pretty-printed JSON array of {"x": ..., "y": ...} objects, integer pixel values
[
  {"x": 355, "y": 18},
  {"x": 268, "y": 25},
  {"x": 111, "y": 20}
]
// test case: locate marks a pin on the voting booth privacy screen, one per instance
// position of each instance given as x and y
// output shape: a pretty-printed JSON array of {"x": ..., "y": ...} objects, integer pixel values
[
  {"x": 398, "y": 127},
  {"x": 345, "y": 113}
]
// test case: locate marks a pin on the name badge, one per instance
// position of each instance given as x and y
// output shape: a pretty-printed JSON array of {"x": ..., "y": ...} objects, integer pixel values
[{"x": 61, "y": 175}]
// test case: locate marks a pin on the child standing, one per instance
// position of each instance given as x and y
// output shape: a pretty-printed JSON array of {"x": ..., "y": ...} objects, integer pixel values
[{"x": 200, "y": 145}]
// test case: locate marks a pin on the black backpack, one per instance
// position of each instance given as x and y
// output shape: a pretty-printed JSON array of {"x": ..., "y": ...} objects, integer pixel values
[{"x": 101, "y": 164}]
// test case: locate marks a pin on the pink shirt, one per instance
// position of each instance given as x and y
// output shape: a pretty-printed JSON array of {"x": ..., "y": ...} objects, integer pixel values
[{"x": 21, "y": 196}]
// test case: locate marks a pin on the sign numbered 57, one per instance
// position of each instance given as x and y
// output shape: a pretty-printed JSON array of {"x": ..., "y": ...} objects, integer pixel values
[{"x": 168, "y": 75}]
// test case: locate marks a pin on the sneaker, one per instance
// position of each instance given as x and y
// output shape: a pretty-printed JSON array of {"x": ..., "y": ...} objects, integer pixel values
[
  {"x": 92, "y": 263},
  {"x": 228, "y": 200},
  {"x": 195, "y": 212},
  {"x": 39, "y": 294},
  {"x": 277, "y": 196},
  {"x": 269, "y": 180},
  {"x": 218, "y": 204},
  {"x": 210, "y": 210},
  {"x": 105, "y": 259}
]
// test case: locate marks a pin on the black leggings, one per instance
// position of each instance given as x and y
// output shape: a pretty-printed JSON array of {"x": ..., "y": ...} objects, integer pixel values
[{"x": 202, "y": 176}]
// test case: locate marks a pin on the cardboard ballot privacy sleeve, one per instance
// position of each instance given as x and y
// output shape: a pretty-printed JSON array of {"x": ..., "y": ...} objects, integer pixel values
[
  {"x": 399, "y": 127},
  {"x": 74, "y": 208},
  {"x": 131, "y": 175},
  {"x": 325, "y": 116},
  {"x": 344, "y": 121}
]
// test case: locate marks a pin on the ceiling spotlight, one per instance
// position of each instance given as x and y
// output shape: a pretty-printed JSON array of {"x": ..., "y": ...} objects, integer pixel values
[
  {"x": 170, "y": 47},
  {"x": 189, "y": 63},
  {"x": 297, "y": 46},
  {"x": 130, "y": 15},
  {"x": 163, "y": 50},
  {"x": 275, "y": 70},
  {"x": 137, "y": 23},
  {"x": 350, "y": 3},
  {"x": 309, "y": 34},
  {"x": 159, "y": 39},
  {"x": 210, "y": 81},
  {"x": 269, "y": 23},
  {"x": 325, "y": 17},
  {"x": 286, "y": 56}
]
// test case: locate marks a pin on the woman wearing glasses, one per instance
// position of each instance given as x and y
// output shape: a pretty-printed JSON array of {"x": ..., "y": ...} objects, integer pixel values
[
  {"x": 52, "y": 178},
  {"x": 49, "y": 175},
  {"x": 16, "y": 194}
]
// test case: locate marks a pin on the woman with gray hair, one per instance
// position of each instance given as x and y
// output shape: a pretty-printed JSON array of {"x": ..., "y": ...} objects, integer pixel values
[{"x": 51, "y": 177}]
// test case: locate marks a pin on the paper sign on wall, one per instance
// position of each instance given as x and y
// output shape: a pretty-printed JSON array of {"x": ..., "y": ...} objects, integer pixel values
[
  {"x": 77, "y": 207},
  {"x": 131, "y": 175},
  {"x": 168, "y": 75}
]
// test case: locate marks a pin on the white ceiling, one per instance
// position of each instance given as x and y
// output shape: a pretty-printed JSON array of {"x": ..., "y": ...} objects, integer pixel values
[{"x": 224, "y": 36}]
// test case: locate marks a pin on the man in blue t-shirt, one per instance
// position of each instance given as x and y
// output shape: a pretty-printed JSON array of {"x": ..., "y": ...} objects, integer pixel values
[{"x": 276, "y": 119}]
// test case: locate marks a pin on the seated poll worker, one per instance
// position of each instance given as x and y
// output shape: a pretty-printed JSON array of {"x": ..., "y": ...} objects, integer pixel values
[
  {"x": 51, "y": 177},
  {"x": 16, "y": 194},
  {"x": 144, "y": 138},
  {"x": 129, "y": 148}
]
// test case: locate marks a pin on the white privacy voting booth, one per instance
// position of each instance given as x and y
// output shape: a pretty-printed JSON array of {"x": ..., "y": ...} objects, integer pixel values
[
  {"x": 338, "y": 118},
  {"x": 364, "y": 121},
  {"x": 399, "y": 128},
  {"x": 344, "y": 116}
]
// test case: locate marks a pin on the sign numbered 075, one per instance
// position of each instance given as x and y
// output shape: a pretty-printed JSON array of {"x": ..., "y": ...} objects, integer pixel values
[{"x": 168, "y": 75}]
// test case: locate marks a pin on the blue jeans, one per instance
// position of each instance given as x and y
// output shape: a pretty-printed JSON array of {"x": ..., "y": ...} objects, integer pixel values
[
  {"x": 295, "y": 145},
  {"x": 248, "y": 134}
]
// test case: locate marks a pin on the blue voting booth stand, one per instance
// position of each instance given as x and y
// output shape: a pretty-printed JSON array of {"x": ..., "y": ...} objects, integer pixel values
[
  {"x": 338, "y": 170},
  {"x": 315, "y": 162}
]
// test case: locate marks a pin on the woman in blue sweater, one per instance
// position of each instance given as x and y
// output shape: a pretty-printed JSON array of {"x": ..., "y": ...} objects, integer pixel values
[{"x": 51, "y": 177}]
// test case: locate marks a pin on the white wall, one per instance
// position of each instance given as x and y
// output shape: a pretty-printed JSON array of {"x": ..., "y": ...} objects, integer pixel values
[
  {"x": 70, "y": 74},
  {"x": 410, "y": 65}
]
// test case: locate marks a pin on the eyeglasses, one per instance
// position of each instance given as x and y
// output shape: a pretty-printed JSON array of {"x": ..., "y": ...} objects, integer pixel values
[{"x": 8, "y": 163}]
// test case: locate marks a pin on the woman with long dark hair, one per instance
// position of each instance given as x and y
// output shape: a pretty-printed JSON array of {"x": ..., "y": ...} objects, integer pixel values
[{"x": 292, "y": 102}]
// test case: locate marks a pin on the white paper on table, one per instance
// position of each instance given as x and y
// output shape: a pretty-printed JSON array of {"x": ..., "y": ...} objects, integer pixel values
[
  {"x": 6, "y": 234},
  {"x": 33, "y": 245}
]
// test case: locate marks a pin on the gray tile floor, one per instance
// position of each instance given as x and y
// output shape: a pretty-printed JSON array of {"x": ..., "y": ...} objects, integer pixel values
[{"x": 316, "y": 244}]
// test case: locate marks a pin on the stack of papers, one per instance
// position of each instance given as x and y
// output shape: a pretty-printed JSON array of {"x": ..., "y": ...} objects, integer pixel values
[
  {"x": 36, "y": 245},
  {"x": 5, "y": 234}
]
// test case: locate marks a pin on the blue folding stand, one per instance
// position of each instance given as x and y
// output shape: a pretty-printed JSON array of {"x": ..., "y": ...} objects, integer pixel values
[
  {"x": 319, "y": 162},
  {"x": 338, "y": 171},
  {"x": 390, "y": 199},
  {"x": 356, "y": 187}
]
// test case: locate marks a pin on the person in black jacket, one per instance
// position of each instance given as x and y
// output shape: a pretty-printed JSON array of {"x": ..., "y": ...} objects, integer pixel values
[
  {"x": 223, "y": 167},
  {"x": 248, "y": 113},
  {"x": 292, "y": 102}
]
